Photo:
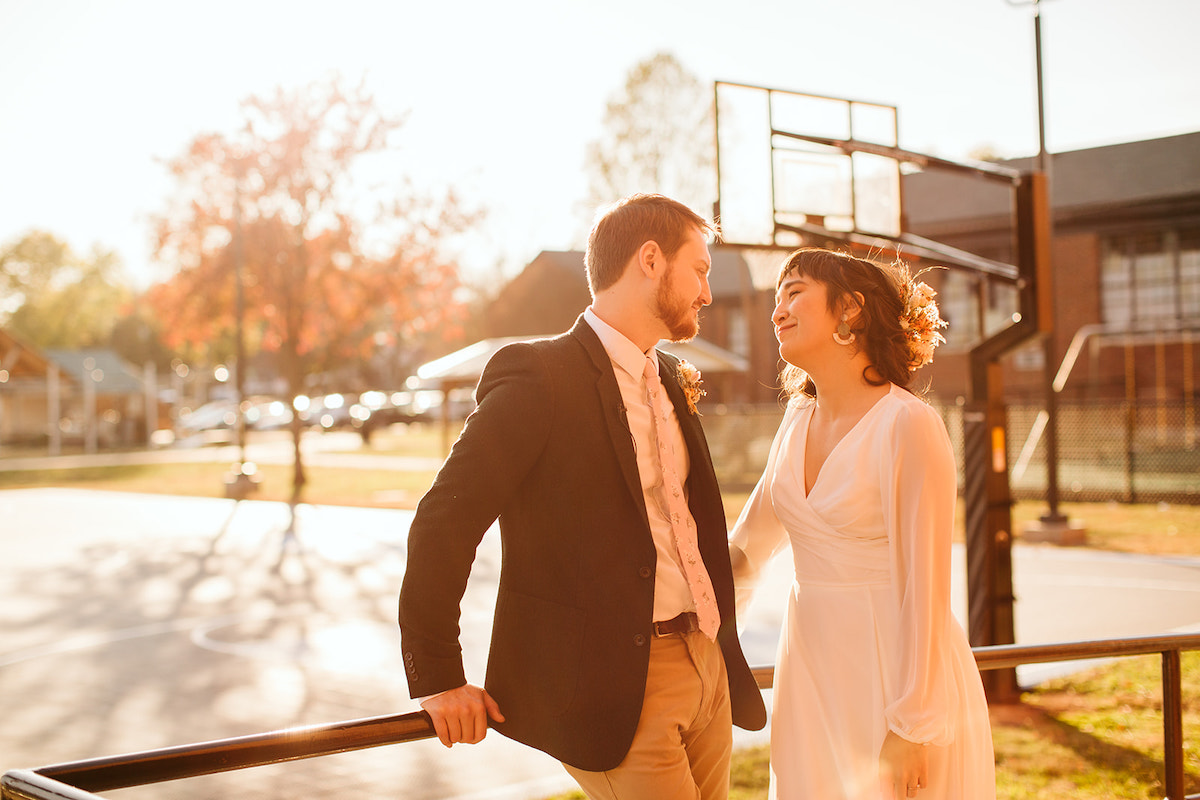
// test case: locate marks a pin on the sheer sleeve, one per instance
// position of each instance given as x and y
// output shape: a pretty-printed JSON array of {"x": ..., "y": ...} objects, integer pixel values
[
  {"x": 758, "y": 535},
  {"x": 919, "y": 483}
]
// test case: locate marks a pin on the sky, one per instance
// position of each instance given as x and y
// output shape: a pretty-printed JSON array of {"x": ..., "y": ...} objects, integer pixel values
[{"x": 503, "y": 98}]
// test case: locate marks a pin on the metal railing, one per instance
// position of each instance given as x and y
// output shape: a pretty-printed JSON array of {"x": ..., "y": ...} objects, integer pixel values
[{"x": 79, "y": 780}]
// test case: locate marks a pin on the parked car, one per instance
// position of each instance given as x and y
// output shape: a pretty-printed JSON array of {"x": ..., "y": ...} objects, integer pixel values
[
  {"x": 267, "y": 414},
  {"x": 327, "y": 412},
  {"x": 211, "y": 423},
  {"x": 376, "y": 410}
]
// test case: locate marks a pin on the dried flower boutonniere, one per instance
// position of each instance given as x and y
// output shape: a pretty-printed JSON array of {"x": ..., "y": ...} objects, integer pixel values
[{"x": 689, "y": 381}]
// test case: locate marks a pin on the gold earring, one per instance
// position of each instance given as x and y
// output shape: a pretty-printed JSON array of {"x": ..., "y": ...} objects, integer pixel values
[{"x": 844, "y": 335}]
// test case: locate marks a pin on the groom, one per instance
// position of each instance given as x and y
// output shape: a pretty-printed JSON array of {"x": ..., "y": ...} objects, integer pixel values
[{"x": 614, "y": 647}]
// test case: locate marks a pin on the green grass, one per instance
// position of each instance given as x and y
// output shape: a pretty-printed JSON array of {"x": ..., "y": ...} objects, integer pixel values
[
  {"x": 1161, "y": 529},
  {"x": 326, "y": 486},
  {"x": 1097, "y": 734}
]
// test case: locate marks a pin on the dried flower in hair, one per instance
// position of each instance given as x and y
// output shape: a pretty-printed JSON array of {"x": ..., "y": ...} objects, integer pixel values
[{"x": 920, "y": 320}]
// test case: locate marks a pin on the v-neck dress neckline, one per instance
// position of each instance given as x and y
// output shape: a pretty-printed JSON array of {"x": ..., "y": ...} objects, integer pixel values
[{"x": 806, "y": 424}]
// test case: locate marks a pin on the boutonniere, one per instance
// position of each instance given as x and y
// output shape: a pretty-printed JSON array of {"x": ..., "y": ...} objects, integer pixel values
[{"x": 689, "y": 381}]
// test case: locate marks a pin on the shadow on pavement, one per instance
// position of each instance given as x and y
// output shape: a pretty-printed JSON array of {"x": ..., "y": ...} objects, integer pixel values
[{"x": 141, "y": 639}]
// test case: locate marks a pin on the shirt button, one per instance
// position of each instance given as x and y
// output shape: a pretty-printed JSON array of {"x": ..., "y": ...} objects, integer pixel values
[
  {"x": 639, "y": 640},
  {"x": 645, "y": 572}
]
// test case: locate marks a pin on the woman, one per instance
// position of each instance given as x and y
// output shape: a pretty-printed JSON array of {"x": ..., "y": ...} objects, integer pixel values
[{"x": 876, "y": 691}]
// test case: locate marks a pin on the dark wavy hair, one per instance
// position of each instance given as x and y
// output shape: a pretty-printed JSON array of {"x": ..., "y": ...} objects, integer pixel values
[
  {"x": 629, "y": 223},
  {"x": 877, "y": 330}
]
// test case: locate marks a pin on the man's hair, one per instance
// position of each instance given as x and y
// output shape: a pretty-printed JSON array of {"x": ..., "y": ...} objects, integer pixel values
[{"x": 626, "y": 225}]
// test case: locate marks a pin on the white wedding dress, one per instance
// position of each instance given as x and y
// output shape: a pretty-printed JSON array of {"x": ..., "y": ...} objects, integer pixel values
[{"x": 868, "y": 642}]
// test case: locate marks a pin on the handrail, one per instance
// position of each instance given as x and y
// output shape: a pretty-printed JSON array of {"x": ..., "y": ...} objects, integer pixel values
[
  {"x": 78, "y": 780},
  {"x": 219, "y": 755}
]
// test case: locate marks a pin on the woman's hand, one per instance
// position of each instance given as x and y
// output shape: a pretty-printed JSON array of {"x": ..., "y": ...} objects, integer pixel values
[{"x": 903, "y": 767}]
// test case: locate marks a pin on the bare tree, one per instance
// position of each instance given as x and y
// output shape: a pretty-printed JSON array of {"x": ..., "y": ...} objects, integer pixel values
[{"x": 657, "y": 137}]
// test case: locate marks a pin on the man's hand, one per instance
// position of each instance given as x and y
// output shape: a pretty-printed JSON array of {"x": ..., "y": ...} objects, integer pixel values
[
  {"x": 903, "y": 767},
  {"x": 461, "y": 715}
]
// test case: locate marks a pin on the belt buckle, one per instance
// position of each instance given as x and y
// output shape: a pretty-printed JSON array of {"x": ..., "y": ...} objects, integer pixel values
[{"x": 685, "y": 623}]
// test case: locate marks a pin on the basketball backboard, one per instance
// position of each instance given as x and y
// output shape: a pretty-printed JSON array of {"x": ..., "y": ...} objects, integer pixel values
[{"x": 795, "y": 168}]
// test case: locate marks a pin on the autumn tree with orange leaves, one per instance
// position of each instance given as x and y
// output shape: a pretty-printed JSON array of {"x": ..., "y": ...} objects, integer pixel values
[{"x": 331, "y": 262}]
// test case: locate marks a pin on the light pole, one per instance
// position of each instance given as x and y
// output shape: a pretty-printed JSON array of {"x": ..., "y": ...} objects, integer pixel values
[
  {"x": 1053, "y": 525},
  {"x": 243, "y": 479}
]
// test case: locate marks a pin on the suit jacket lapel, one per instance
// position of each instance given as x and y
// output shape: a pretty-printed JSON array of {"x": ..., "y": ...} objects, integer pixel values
[
  {"x": 613, "y": 406},
  {"x": 704, "y": 494},
  {"x": 689, "y": 423}
]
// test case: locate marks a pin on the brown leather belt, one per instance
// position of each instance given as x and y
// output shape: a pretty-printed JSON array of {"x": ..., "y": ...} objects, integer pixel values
[{"x": 687, "y": 622}]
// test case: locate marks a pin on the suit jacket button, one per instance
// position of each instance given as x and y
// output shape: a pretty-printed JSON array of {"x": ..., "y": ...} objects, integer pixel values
[
  {"x": 645, "y": 572},
  {"x": 639, "y": 640}
]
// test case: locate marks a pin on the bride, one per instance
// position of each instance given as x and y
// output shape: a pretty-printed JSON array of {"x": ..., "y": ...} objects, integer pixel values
[{"x": 877, "y": 694}]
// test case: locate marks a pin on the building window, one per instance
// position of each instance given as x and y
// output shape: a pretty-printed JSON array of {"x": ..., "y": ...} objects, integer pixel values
[
  {"x": 1150, "y": 278},
  {"x": 1030, "y": 357},
  {"x": 974, "y": 307},
  {"x": 958, "y": 306},
  {"x": 1189, "y": 274},
  {"x": 739, "y": 333}
]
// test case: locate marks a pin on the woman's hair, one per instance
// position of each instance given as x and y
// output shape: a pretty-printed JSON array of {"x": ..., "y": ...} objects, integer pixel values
[
  {"x": 879, "y": 330},
  {"x": 626, "y": 225}
]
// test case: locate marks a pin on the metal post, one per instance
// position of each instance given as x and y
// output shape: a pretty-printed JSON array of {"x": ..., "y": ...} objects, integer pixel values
[
  {"x": 243, "y": 479},
  {"x": 1053, "y": 522},
  {"x": 1052, "y": 515},
  {"x": 1130, "y": 420},
  {"x": 90, "y": 419},
  {"x": 1172, "y": 711},
  {"x": 150, "y": 398},
  {"x": 716, "y": 206},
  {"x": 54, "y": 409},
  {"x": 239, "y": 313},
  {"x": 988, "y": 501}
]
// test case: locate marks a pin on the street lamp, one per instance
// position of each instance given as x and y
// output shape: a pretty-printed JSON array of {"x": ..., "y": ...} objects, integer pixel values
[
  {"x": 243, "y": 479},
  {"x": 1052, "y": 525}
]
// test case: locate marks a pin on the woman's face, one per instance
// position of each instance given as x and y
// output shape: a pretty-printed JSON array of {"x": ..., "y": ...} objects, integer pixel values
[{"x": 804, "y": 325}]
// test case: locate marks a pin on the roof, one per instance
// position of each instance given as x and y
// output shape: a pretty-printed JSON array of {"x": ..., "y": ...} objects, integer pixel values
[
  {"x": 729, "y": 270},
  {"x": 110, "y": 372},
  {"x": 466, "y": 365},
  {"x": 1123, "y": 173},
  {"x": 19, "y": 361},
  {"x": 1098, "y": 177}
]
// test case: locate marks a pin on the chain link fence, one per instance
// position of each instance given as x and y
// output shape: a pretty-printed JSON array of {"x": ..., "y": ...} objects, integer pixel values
[
  {"x": 1146, "y": 452},
  {"x": 1108, "y": 451}
]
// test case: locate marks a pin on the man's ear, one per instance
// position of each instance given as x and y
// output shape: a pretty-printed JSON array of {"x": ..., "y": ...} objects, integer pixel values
[{"x": 650, "y": 259}]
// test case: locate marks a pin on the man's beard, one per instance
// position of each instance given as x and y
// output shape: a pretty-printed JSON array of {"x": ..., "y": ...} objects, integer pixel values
[{"x": 679, "y": 317}]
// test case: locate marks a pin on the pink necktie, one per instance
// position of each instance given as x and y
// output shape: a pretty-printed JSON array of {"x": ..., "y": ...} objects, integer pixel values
[{"x": 682, "y": 525}]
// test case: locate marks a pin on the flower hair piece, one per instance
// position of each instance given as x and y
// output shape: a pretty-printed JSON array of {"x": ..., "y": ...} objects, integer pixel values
[
  {"x": 920, "y": 320},
  {"x": 689, "y": 381}
]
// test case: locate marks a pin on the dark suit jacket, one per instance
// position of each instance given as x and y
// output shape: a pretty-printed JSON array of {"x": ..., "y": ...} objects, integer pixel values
[{"x": 549, "y": 452}]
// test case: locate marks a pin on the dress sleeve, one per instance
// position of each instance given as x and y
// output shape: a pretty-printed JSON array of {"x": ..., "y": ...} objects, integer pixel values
[
  {"x": 919, "y": 483},
  {"x": 758, "y": 535}
]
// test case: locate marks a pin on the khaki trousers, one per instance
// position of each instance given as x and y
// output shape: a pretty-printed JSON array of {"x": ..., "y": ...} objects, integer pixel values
[{"x": 684, "y": 739}]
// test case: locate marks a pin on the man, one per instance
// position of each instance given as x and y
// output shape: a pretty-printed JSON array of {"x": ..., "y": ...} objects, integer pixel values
[{"x": 613, "y": 587}]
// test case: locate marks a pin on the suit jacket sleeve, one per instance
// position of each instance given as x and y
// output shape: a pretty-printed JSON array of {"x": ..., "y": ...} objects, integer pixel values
[{"x": 502, "y": 439}]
